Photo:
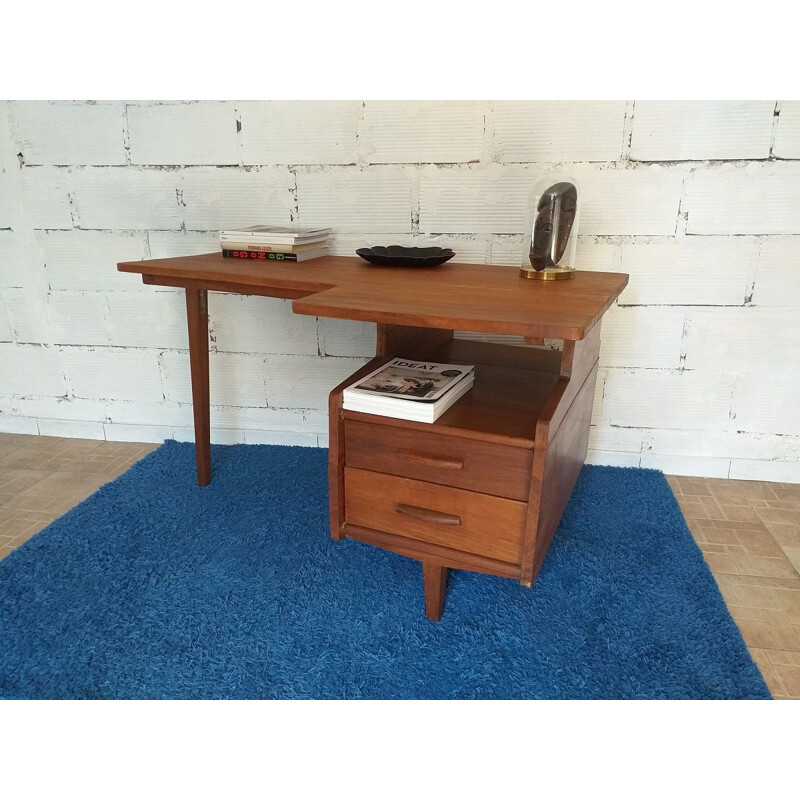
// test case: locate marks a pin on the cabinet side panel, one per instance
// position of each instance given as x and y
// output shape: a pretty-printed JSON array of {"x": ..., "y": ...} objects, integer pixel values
[
  {"x": 555, "y": 470},
  {"x": 564, "y": 458}
]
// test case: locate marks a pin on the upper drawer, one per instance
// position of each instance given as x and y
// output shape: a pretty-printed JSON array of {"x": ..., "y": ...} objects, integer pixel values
[{"x": 479, "y": 466}]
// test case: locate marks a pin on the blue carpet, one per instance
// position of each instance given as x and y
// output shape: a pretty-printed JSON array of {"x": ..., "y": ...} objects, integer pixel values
[{"x": 156, "y": 588}]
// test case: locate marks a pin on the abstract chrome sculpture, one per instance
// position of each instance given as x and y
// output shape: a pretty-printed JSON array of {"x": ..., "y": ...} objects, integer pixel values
[{"x": 555, "y": 218}]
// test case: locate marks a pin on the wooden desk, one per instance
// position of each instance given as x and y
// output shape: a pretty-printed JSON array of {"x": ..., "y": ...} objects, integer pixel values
[{"x": 484, "y": 487}]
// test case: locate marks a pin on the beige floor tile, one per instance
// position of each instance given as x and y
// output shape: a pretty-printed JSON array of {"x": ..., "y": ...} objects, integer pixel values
[
  {"x": 737, "y": 513},
  {"x": 695, "y": 486},
  {"x": 788, "y": 657},
  {"x": 767, "y": 567},
  {"x": 793, "y": 554},
  {"x": 691, "y": 506},
  {"x": 760, "y": 543},
  {"x": 720, "y": 535},
  {"x": 759, "y": 633},
  {"x": 784, "y": 516},
  {"x": 769, "y": 671},
  {"x": 756, "y": 490},
  {"x": 58, "y": 492},
  {"x": 721, "y": 562},
  {"x": 785, "y": 535},
  {"x": 790, "y": 678},
  {"x": 792, "y": 583},
  {"x": 787, "y": 491}
]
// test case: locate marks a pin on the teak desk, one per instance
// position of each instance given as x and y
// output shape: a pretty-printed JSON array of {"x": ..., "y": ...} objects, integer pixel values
[{"x": 483, "y": 488}]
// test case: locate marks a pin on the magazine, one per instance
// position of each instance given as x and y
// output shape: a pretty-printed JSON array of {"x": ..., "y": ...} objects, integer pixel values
[
  {"x": 421, "y": 381},
  {"x": 389, "y": 406}
]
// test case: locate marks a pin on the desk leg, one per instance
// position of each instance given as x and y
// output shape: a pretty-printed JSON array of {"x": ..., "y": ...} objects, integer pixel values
[
  {"x": 197, "y": 317},
  {"x": 435, "y": 580}
]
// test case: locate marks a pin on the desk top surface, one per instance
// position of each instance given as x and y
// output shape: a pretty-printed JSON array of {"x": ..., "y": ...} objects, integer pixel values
[{"x": 470, "y": 297}]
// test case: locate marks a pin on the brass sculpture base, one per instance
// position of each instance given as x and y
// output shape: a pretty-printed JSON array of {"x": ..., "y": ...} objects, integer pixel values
[{"x": 547, "y": 274}]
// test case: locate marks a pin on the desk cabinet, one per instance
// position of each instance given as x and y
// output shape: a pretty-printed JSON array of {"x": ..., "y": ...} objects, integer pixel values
[{"x": 482, "y": 488}]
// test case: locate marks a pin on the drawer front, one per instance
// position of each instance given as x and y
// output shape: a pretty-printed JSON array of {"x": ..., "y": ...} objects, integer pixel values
[
  {"x": 478, "y": 466},
  {"x": 467, "y": 521}
]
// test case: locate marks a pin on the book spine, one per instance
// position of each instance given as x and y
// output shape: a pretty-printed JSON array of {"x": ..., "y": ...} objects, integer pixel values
[
  {"x": 259, "y": 255},
  {"x": 262, "y": 240},
  {"x": 268, "y": 248}
]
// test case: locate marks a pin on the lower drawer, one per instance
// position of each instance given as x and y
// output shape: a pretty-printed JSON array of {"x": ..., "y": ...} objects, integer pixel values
[{"x": 466, "y": 521}]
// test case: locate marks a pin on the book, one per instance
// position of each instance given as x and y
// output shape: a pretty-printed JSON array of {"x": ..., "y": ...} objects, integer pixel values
[
  {"x": 408, "y": 389},
  {"x": 262, "y": 255},
  {"x": 274, "y": 248},
  {"x": 273, "y": 240},
  {"x": 273, "y": 234}
]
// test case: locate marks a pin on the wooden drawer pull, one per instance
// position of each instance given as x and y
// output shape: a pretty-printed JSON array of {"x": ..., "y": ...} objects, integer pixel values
[
  {"x": 427, "y": 514},
  {"x": 431, "y": 461}
]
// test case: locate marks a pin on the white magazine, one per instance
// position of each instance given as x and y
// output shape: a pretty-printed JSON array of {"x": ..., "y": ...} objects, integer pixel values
[{"x": 406, "y": 379}]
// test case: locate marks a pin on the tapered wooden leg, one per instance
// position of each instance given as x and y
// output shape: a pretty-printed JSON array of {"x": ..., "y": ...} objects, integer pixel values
[
  {"x": 197, "y": 317},
  {"x": 435, "y": 579}
]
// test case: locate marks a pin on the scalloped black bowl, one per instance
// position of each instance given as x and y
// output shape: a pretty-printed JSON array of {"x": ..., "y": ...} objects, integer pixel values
[{"x": 397, "y": 256}]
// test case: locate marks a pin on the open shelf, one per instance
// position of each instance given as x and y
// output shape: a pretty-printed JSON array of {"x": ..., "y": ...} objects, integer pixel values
[{"x": 512, "y": 385}]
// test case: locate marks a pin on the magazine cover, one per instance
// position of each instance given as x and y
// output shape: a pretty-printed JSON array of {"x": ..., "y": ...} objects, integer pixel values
[{"x": 412, "y": 380}]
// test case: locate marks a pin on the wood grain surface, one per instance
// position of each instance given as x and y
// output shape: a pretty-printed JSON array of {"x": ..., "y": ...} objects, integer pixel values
[{"x": 474, "y": 297}]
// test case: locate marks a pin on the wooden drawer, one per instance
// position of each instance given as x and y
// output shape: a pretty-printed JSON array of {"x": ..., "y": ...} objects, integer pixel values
[
  {"x": 467, "y": 521},
  {"x": 479, "y": 466}
]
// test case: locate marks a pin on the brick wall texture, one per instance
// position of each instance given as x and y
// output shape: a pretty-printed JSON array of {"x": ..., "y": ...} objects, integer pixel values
[{"x": 698, "y": 201}]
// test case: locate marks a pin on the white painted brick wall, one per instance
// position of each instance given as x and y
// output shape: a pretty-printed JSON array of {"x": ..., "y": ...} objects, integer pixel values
[
  {"x": 733, "y": 199},
  {"x": 700, "y": 130},
  {"x": 350, "y": 200},
  {"x": 183, "y": 133},
  {"x": 787, "y": 132},
  {"x": 425, "y": 132},
  {"x": 646, "y": 398},
  {"x": 31, "y": 370},
  {"x": 778, "y": 280},
  {"x": 235, "y": 378},
  {"x": 558, "y": 131},
  {"x": 260, "y": 325},
  {"x": 78, "y": 318},
  {"x": 125, "y": 198},
  {"x": 70, "y": 133},
  {"x": 688, "y": 271},
  {"x": 219, "y": 198},
  {"x": 768, "y": 404},
  {"x": 6, "y": 334},
  {"x": 344, "y": 337},
  {"x": 699, "y": 361},
  {"x": 172, "y": 244},
  {"x": 7, "y": 200},
  {"x": 112, "y": 373},
  {"x": 305, "y": 381},
  {"x": 45, "y": 197},
  {"x": 296, "y": 132},
  {"x": 27, "y": 313},
  {"x": 464, "y": 199},
  {"x": 642, "y": 337},
  {"x": 747, "y": 341},
  {"x": 77, "y": 259},
  {"x": 632, "y": 202},
  {"x": 158, "y": 321}
]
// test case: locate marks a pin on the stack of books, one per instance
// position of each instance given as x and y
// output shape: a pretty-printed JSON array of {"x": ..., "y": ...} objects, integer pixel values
[
  {"x": 420, "y": 391},
  {"x": 272, "y": 243}
]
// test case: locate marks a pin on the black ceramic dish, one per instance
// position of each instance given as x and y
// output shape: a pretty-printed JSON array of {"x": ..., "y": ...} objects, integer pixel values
[{"x": 397, "y": 256}]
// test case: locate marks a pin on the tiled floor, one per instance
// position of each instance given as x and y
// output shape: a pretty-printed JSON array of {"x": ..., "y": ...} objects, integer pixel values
[{"x": 749, "y": 532}]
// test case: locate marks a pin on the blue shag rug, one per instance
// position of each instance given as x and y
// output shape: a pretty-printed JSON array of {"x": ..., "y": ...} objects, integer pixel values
[{"x": 156, "y": 588}]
